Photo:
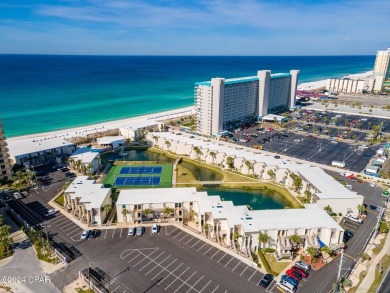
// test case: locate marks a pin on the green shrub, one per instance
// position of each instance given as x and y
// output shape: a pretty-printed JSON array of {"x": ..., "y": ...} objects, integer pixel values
[
  {"x": 270, "y": 250},
  {"x": 266, "y": 265}
]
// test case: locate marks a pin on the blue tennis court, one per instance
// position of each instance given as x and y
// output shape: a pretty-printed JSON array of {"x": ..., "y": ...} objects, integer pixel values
[
  {"x": 136, "y": 181},
  {"x": 140, "y": 170}
]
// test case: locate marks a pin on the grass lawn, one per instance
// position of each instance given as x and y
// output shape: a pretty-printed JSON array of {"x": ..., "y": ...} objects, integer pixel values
[
  {"x": 60, "y": 200},
  {"x": 165, "y": 176},
  {"x": 385, "y": 262},
  {"x": 276, "y": 266}
]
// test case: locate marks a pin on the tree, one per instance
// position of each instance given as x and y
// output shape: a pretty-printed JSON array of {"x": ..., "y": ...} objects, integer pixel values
[
  {"x": 155, "y": 138},
  {"x": 197, "y": 151},
  {"x": 362, "y": 209},
  {"x": 364, "y": 256},
  {"x": 230, "y": 162},
  {"x": 193, "y": 215},
  {"x": 249, "y": 165},
  {"x": 167, "y": 211},
  {"x": 207, "y": 228},
  {"x": 296, "y": 240},
  {"x": 107, "y": 209},
  {"x": 236, "y": 236},
  {"x": 263, "y": 238},
  {"x": 271, "y": 174},
  {"x": 168, "y": 144},
  {"x": 384, "y": 227},
  {"x": 124, "y": 214},
  {"x": 213, "y": 155},
  {"x": 297, "y": 181},
  {"x": 312, "y": 252},
  {"x": 327, "y": 250},
  {"x": 368, "y": 125},
  {"x": 147, "y": 212},
  {"x": 325, "y": 119}
]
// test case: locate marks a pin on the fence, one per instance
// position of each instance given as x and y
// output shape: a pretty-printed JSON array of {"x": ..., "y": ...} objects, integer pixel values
[
  {"x": 90, "y": 284},
  {"x": 16, "y": 215}
]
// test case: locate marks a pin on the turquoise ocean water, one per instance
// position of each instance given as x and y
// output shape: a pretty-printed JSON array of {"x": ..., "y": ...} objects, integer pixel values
[{"x": 41, "y": 93}]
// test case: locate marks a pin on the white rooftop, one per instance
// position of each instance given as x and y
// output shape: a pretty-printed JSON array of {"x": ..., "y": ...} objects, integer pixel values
[
  {"x": 311, "y": 217},
  {"x": 85, "y": 155},
  {"x": 141, "y": 124},
  {"x": 326, "y": 185},
  {"x": 109, "y": 139},
  {"x": 89, "y": 192},
  {"x": 25, "y": 146}
]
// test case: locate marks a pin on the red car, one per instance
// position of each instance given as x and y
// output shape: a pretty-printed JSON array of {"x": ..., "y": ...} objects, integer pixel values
[
  {"x": 300, "y": 271},
  {"x": 294, "y": 274}
]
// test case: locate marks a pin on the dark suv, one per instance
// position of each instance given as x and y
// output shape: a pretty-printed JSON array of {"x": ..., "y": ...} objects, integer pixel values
[{"x": 266, "y": 280}]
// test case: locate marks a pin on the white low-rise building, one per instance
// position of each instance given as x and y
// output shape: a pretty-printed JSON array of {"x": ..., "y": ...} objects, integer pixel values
[
  {"x": 324, "y": 188},
  {"x": 135, "y": 131},
  {"x": 36, "y": 152},
  {"x": 86, "y": 200},
  {"x": 230, "y": 225},
  {"x": 111, "y": 141},
  {"x": 85, "y": 159}
]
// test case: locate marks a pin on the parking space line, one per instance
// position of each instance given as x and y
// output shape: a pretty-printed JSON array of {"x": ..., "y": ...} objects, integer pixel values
[
  {"x": 178, "y": 234},
  {"x": 192, "y": 287},
  {"x": 105, "y": 234},
  {"x": 252, "y": 275},
  {"x": 158, "y": 264},
  {"x": 215, "y": 254},
  {"x": 236, "y": 266},
  {"x": 222, "y": 257},
  {"x": 184, "y": 237},
  {"x": 177, "y": 278},
  {"x": 123, "y": 257},
  {"x": 243, "y": 271},
  {"x": 66, "y": 224},
  {"x": 215, "y": 289},
  {"x": 185, "y": 282},
  {"x": 58, "y": 219},
  {"x": 195, "y": 243},
  {"x": 150, "y": 259},
  {"x": 229, "y": 261},
  {"x": 135, "y": 257},
  {"x": 202, "y": 246},
  {"x": 113, "y": 232},
  {"x": 189, "y": 240},
  {"x": 205, "y": 286},
  {"x": 165, "y": 268},
  {"x": 74, "y": 232},
  {"x": 208, "y": 250},
  {"x": 171, "y": 272},
  {"x": 120, "y": 235},
  {"x": 67, "y": 229}
]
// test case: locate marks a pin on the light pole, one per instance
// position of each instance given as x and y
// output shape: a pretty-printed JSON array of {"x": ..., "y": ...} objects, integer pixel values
[{"x": 89, "y": 276}]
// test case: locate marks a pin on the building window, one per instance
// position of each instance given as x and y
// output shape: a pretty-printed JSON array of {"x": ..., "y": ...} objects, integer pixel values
[
  {"x": 123, "y": 206},
  {"x": 178, "y": 205}
]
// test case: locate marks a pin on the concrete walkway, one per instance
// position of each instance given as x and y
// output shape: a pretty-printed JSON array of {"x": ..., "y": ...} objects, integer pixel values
[{"x": 370, "y": 277}]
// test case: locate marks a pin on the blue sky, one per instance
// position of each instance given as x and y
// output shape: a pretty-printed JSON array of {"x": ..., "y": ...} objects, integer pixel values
[{"x": 194, "y": 27}]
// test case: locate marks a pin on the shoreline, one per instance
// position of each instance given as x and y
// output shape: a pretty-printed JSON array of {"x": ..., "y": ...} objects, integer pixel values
[{"x": 175, "y": 113}]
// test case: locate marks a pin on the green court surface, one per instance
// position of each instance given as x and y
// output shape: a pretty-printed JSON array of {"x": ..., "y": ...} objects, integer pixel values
[{"x": 115, "y": 172}]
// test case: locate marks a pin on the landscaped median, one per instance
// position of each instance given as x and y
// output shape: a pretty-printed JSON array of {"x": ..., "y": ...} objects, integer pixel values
[{"x": 266, "y": 264}]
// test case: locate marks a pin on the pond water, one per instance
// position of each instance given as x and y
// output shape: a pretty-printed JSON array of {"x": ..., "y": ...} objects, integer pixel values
[{"x": 257, "y": 199}]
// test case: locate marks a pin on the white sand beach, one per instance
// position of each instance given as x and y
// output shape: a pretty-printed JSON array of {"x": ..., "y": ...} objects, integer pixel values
[
  {"x": 85, "y": 130},
  {"x": 322, "y": 83}
]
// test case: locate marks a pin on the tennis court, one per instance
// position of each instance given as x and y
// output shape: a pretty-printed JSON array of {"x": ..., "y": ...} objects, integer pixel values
[
  {"x": 139, "y": 175},
  {"x": 140, "y": 170},
  {"x": 137, "y": 181}
]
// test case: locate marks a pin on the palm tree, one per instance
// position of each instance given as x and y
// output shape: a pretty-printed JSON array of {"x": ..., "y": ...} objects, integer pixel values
[
  {"x": 312, "y": 252},
  {"x": 207, "y": 228},
  {"x": 263, "y": 238},
  {"x": 368, "y": 125},
  {"x": 197, "y": 151},
  {"x": 168, "y": 144},
  {"x": 167, "y": 211},
  {"x": 249, "y": 165},
  {"x": 295, "y": 239},
  {"x": 327, "y": 250},
  {"x": 213, "y": 155},
  {"x": 148, "y": 212},
  {"x": 155, "y": 138},
  {"x": 362, "y": 209},
  {"x": 271, "y": 174},
  {"x": 193, "y": 215},
  {"x": 124, "y": 214},
  {"x": 230, "y": 162}
]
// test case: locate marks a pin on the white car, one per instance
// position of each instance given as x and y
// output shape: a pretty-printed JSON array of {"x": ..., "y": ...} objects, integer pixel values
[
  {"x": 333, "y": 141},
  {"x": 154, "y": 229},
  {"x": 354, "y": 219},
  {"x": 363, "y": 119},
  {"x": 17, "y": 195},
  {"x": 297, "y": 140},
  {"x": 348, "y": 186},
  {"x": 372, "y": 184},
  {"x": 85, "y": 234},
  {"x": 50, "y": 213}
]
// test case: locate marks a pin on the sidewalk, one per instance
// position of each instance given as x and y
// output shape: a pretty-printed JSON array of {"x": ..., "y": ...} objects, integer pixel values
[{"x": 370, "y": 276}]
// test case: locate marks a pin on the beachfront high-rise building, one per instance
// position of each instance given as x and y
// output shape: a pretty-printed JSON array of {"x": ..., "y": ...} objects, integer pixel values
[
  {"x": 382, "y": 69},
  {"x": 5, "y": 165},
  {"x": 222, "y": 104}
]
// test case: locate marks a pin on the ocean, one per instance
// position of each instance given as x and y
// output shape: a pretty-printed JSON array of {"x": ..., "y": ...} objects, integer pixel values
[{"x": 41, "y": 93}]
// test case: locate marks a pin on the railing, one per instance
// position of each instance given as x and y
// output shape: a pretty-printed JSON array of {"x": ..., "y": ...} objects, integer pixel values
[
  {"x": 90, "y": 284},
  {"x": 21, "y": 220}
]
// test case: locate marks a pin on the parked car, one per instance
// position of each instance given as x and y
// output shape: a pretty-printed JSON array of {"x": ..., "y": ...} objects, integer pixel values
[
  {"x": 140, "y": 231},
  {"x": 266, "y": 280},
  {"x": 372, "y": 184},
  {"x": 290, "y": 280},
  {"x": 354, "y": 219},
  {"x": 155, "y": 229},
  {"x": 286, "y": 287},
  {"x": 95, "y": 233},
  {"x": 348, "y": 233},
  {"x": 50, "y": 213},
  {"x": 85, "y": 234},
  {"x": 17, "y": 195},
  {"x": 295, "y": 275},
  {"x": 301, "y": 271},
  {"x": 131, "y": 231},
  {"x": 303, "y": 265}
]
